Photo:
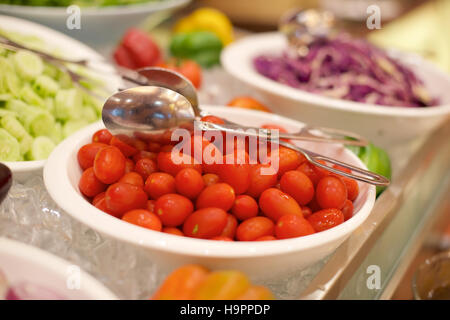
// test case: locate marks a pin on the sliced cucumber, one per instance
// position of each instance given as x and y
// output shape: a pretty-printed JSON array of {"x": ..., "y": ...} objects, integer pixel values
[
  {"x": 9, "y": 147},
  {"x": 14, "y": 127},
  {"x": 68, "y": 103},
  {"x": 41, "y": 148},
  {"x": 28, "y": 64},
  {"x": 29, "y": 96},
  {"x": 45, "y": 86}
]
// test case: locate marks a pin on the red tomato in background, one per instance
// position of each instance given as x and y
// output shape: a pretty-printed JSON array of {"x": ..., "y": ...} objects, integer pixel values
[{"x": 188, "y": 68}]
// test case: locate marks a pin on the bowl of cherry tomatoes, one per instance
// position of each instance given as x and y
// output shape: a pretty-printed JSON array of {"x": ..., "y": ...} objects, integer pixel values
[{"x": 230, "y": 215}]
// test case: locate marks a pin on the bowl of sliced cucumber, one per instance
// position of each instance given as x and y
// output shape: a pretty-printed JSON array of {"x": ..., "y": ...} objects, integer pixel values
[{"x": 40, "y": 103}]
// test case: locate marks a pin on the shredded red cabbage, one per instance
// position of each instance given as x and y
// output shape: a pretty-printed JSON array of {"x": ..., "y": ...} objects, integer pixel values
[{"x": 346, "y": 68}]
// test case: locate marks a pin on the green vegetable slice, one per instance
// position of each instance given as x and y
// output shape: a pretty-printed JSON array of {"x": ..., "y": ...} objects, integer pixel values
[
  {"x": 41, "y": 148},
  {"x": 9, "y": 147},
  {"x": 28, "y": 64}
]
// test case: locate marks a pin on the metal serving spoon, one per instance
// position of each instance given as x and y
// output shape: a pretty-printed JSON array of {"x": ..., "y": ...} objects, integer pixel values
[
  {"x": 151, "y": 111},
  {"x": 5, "y": 181}
]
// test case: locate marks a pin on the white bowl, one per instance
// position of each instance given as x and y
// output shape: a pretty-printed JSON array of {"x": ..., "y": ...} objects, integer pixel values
[
  {"x": 268, "y": 259},
  {"x": 383, "y": 125},
  {"x": 24, "y": 263},
  {"x": 98, "y": 25},
  {"x": 69, "y": 47}
]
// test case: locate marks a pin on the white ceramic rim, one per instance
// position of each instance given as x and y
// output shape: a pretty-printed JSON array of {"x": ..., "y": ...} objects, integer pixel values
[
  {"x": 265, "y": 42},
  {"x": 56, "y": 178},
  {"x": 55, "y": 265},
  {"x": 95, "y": 11},
  {"x": 15, "y": 24}
]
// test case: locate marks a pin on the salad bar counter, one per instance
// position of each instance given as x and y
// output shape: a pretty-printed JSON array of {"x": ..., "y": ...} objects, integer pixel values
[{"x": 316, "y": 165}]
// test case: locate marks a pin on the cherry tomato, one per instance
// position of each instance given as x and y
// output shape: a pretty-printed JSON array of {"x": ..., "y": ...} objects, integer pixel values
[
  {"x": 313, "y": 172},
  {"x": 139, "y": 144},
  {"x": 205, "y": 223},
  {"x": 331, "y": 193},
  {"x": 326, "y": 219},
  {"x": 173, "y": 209},
  {"x": 144, "y": 154},
  {"x": 306, "y": 211},
  {"x": 288, "y": 159},
  {"x": 101, "y": 205},
  {"x": 188, "y": 68},
  {"x": 247, "y": 103},
  {"x": 221, "y": 238},
  {"x": 158, "y": 184},
  {"x": 245, "y": 207},
  {"x": 123, "y": 197},
  {"x": 87, "y": 153},
  {"x": 230, "y": 228},
  {"x": 126, "y": 148},
  {"x": 265, "y": 238},
  {"x": 172, "y": 230},
  {"x": 109, "y": 165},
  {"x": 189, "y": 183},
  {"x": 102, "y": 136},
  {"x": 292, "y": 226},
  {"x": 167, "y": 164},
  {"x": 212, "y": 119},
  {"x": 275, "y": 203},
  {"x": 89, "y": 185},
  {"x": 210, "y": 178},
  {"x": 219, "y": 195},
  {"x": 145, "y": 167},
  {"x": 129, "y": 165},
  {"x": 298, "y": 186},
  {"x": 236, "y": 175},
  {"x": 133, "y": 178},
  {"x": 351, "y": 186},
  {"x": 98, "y": 197},
  {"x": 153, "y": 146},
  {"x": 151, "y": 205},
  {"x": 261, "y": 179},
  {"x": 141, "y": 48},
  {"x": 143, "y": 218},
  {"x": 254, "y": 228},
  {"x": 347, "y": 209}
]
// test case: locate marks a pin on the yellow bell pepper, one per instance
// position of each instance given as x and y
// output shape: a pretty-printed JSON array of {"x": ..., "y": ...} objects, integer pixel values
[{"x": 207, "y": 19}]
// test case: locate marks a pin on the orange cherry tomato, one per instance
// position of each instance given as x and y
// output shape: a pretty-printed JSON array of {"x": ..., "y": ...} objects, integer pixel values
[
  {"x": 158, "y": 184},
  {"x": 172, "y": 230},
  {"x": 87, "y": 153},
  {"x": 296, "y": 184},
  {"x": 254, "y": 228},
  {"x": 109, "y": 165},
  {"x": 189, "y": 183},
  {"x": 219, "y": 195},
  {"x": 275, "y": 203},
  {"x": 133, "y": 178},
  {"x": 331, "y": 193},
  {"x": 173, "y": 209},
  {"x": 326, "y": 219},
  {"x": 143, "y": 218},
  {"x": 89, "y": 185},
  {"x": 182, "y": 283},
  {"x": 210, "y": 178},
  {"x": 145, "y": 167},
  {"x": 245, "y": 207},
  {"x": 292, "y": 226},
  {"x": 230, "y": 228},
  {"x": 247, "y": 102},
  {"x": 205, "y": 223},
  {"x": 347, "y": 209},
  {"x": 260, "y": 180},
  {"x": 102, "y": 136},
  {"x": 123, "y": 197}
]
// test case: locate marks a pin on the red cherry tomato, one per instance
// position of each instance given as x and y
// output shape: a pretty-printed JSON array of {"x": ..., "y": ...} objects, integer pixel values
[
  {"x": 151, "y": 205},
  {"x": 219, "y": 195},
  {"x": 129, "y": 165},
  {"x": 189, "y": 183},
  {"x": 230, "y": 228},
  {"x": 311, "y": 171},
  {"x": 143, "y": 218},
  {"x": 221, "y": 238},
  {"x": 205, "y": 223},
  {"x": 247, "y": 102},
  {"x": 298, "y": 186},
  {"x": 245, "y": 207},
  {"x": 133, "y": 178},
  {"x": 347, "y": 210},
  {"x": 212, "y": 119},
  {"x": 109, "y": 165},
  {"x": 101, "y": 205},
  {"x": 191, "y": 70},
  {"x": 254, "y": 228},
  {"x": 144, "y": 154},
  {"x": 288, "y": 159},
  {"x": 275, "y": 203},
  {"x": 266, "y": 238},
  {"x": 127, "y": 149},
  {"x": 141, "y": 48},
  {"x": 173, "y": 209},
  {"x": 123, "y": 197},
  {"x": 261, "y": 180},
  {"x": 292, "y": 226},
  {"x": 98, "y": 198},
  {"x": 306, "y": 211},
  {"x": 326, "y": 219},
  {"x": 236, "y": 175},
  {"x": 87, "y": 153},
  {"x": 158, "y": 184},
  {"x": 210, "y": 178},
  {"x": 331, "y": 193},
  {"x": 352, "y": 187},
  {"x": 145, "y": 167},
  {"x": 166, "y": 162},
  {"x": 153, "y": 146},
  {"x": 89, "y": 185},
  {"x": 102, "y": 136},
  {"x": 172, "y": 230}
]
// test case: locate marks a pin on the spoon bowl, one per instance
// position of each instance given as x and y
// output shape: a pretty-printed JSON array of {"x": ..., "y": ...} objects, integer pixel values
[{"x": 5, "y": 181}]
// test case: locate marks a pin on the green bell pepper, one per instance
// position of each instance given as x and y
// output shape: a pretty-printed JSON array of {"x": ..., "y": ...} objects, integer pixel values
[{"x": 204, "y": 47}]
